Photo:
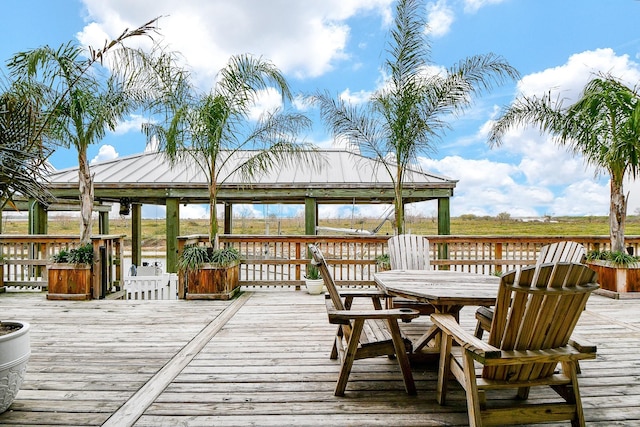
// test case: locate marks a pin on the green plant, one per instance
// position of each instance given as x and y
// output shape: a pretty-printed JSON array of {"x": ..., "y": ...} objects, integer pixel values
[
  {"x": 615, "y": 257},
  {"x": 194, "y": 256},
  {"x": 80, "y": 255},
  {"x": 312, "y": 272},
  {"x": 224, "y": 256},
  {"x": 383, "y": 262}
]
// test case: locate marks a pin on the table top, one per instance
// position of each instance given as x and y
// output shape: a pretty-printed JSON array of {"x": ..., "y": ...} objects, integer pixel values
[{"x": 440, "y": 287}]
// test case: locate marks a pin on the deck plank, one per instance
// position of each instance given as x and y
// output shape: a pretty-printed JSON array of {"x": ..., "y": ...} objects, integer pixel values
[{"x": 266, "y": 364}]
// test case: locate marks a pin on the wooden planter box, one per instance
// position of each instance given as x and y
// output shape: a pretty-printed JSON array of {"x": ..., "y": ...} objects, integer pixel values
[
  {"x": 617, "y": 281},
  {"x": 69, "y": 281},
  {"x": 213, "y": 282}
]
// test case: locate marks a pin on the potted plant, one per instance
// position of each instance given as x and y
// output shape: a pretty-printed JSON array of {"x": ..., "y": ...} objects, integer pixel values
[
  {"x": 69, "y": 277},
  {"x": 210, "y": 273},
  {"x": 383, "y": 263},
  {"x": 618, "y": 272},
  {"x": 15, "y": 350},
  {"x": 313, "y": 280}
]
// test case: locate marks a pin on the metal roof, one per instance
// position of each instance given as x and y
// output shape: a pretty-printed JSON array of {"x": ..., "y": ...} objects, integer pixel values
[{"x": 344, "y": 177}]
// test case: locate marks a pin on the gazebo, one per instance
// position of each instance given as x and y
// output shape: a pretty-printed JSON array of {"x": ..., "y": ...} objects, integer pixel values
[{"x": 148, "y": 178}]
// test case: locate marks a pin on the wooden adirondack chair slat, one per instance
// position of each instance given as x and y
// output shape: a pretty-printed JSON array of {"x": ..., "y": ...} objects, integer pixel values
[{"x": 536, "y": 312}]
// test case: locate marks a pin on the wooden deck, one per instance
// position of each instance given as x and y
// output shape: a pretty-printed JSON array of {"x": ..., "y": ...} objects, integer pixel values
[{"x": 261, "y": 359}]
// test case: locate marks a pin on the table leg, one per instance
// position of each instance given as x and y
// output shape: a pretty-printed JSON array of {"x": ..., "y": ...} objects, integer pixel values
[{"x": 432, "y": 337}]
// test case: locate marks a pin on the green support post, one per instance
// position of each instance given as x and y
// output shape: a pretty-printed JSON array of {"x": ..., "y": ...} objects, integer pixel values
[
  {"x": 228, "y": 218},
  {"x": 444, "y": 226},
  {"x": 310, "y": 215},
  {"x": 173, "y": 231},
  {"x": 37, "y": 218},
  {"x": 136, "y": 234},
  {"x": 103, "y": 222}
]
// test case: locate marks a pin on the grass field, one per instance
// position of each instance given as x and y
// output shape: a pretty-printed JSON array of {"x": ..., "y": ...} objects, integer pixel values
[{"x": 153, "y": 230}]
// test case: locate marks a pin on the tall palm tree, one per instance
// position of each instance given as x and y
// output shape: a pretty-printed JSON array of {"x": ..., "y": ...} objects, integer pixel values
[
  {"x": 403, "y": 119},
  {"x": 603, "y": 126},
  {"x": 213, "y": 128},
  {"x": 83, "y": 99}
]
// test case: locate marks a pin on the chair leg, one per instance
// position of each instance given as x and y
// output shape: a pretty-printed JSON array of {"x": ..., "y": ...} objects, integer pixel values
[
  {"x": 403, "y": 359},
  {"x": 471, "y": 387},
  {"x": 570, "y": 369},
  {"x": 349, "y": 357},
  {"x": 523, "y": 393},
  {"x": 444, "y": 369},
  {"x": 337, "y": 344},
  {"x": 479, "y": 331}
]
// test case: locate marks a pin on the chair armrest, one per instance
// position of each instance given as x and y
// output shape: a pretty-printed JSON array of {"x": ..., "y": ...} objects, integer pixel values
[
  {"x": 558, "y": 354},
  {"x": 479, "y": 349},
  {"x": 344, "y": 316},
  {"x": 364, "y": 293},
  {"x": 582, "y": 345}
]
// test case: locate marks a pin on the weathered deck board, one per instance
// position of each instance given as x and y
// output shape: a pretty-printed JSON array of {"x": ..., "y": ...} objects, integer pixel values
[{"x": 155, "y": 363}]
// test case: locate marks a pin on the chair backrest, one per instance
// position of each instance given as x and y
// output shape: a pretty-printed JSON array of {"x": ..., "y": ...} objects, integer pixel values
[
  {"x": 409, "y": 252},
  {"x": 537, "y": 308},
  {"x": 566, "y": 251},
  {"x": 321, "y": 263}
]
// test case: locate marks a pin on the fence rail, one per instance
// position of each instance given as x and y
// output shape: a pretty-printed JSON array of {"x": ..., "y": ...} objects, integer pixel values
[{"x": 282, "y": 260}]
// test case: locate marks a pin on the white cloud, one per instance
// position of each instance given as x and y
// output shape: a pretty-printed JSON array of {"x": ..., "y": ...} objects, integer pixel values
[
  {"x": 134, "y": 123},
  {"x": 304, "y": 39},
  {"x": 267, "y": 100},
  {"x": 472, "y": 6},
  {"x": 439, "y": 18},
  {"x": 194, "y": 211},
  {"x": 355, "y": 98},
  {"x": 568, "y": 80},
  {"x": 106, "y": 152},
  {"x": 541, "y": 177}
]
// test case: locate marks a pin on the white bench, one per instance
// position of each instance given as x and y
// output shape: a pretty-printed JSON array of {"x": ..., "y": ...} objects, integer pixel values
[{"x": 162, "y": 287}]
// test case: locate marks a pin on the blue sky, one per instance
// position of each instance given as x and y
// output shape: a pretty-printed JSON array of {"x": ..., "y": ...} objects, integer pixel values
[{"x": 339, "y": 46}]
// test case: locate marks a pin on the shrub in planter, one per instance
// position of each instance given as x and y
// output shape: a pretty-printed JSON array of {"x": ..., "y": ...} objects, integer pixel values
[
  {"x": 210, "y": 273},
  {"x": 618, "y": 272},
  {"x": 313, "y": 280},
  {"x": 69, "y": 277}
]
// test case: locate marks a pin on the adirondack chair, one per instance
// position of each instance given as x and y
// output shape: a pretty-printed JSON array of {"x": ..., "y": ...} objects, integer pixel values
[
  {"x": 364, "y": 333},
  {"x": 409, "y": 252},
  {"x": 566, "y": 251},
  {"x": 536, "y": 312}
]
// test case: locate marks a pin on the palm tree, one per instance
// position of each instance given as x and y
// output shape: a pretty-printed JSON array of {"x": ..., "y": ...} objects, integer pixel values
[
  {"x": 603, "y": 126},
  {"x": 214, "y": 128},
  {"x": 23, "y": 153},
  {"x": 403, "y": 119},
  {"x": 81, "y": 102}
]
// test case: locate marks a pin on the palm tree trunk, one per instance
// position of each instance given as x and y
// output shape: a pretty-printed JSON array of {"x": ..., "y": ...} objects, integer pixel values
[
  {"x": 86, "y": 196},
  {"x": 617, "y": 215},
  {"x": 399, "y": 203},
  {"x": 213, "y": 210}
]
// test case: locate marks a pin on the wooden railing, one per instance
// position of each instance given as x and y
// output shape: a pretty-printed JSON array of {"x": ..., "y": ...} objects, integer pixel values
[
  {"x": 281, "y": 260},
  {"x": 25, "y": 259}
]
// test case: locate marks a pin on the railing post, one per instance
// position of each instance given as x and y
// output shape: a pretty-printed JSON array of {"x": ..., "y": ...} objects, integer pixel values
[{"x": 498, "y": 256}]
